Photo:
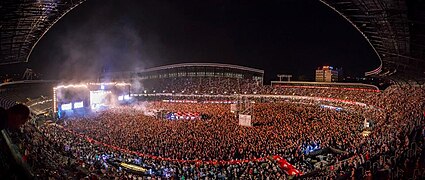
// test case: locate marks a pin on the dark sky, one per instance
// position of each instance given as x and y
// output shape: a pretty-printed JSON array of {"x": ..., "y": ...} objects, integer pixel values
[{"x": 279, "y": 36}]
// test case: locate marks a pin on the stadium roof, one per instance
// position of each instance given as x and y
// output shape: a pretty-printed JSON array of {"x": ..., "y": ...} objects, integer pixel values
[
  {"x": 24, "y": 22},
  {"x": 204, "y": 65},
  {"x": 25, "y": 82},
  {"x": 395, "y": 29}
]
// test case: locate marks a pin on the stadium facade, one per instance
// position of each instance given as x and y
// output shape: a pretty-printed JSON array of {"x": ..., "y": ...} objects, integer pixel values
[
  {"x": 181, "y": 74},
  {"x": 189, "y": 70}
]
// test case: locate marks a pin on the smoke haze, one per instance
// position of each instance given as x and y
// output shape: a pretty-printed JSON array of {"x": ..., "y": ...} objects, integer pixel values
[
  {"x": 277, "y": 36},
  {"x": 110, "y": 48}
]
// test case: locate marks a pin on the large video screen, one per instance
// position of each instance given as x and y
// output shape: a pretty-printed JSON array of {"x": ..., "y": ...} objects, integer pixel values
[{"x": 100, "y": 99}]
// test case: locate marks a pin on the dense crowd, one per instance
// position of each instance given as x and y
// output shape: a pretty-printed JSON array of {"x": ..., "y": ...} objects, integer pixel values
[
  {"x": 219, "y": 138},
  {"x": 54, "y": 152},
  {"x": 199, "y": 85},
  {"x": 294, "y": 130},
  {"x": 228, "y": 85}
]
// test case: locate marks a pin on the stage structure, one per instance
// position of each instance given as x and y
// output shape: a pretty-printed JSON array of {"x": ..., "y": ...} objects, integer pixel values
[
  {"x": 245, "y": 120},
  {"x": 80, "y": 99}
]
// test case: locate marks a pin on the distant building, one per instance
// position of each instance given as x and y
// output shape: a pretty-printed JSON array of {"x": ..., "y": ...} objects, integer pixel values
[{"x": 328, "y": 74}]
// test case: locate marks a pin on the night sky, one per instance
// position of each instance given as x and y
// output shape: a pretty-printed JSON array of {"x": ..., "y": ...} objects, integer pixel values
[{"x": 279, "y": 36}]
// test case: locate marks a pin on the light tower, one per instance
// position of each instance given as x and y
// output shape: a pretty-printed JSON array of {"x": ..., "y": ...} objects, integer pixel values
[
  {"x": 28, "y": 74},
  {"x": 280, "y": 76}
]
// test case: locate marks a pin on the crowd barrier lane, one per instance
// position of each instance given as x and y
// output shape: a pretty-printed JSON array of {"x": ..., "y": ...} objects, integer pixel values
[
  {"x": 200, "y": 102},
  {"x": 286, "y": 166},
  {"x": 215, "y": 162}
]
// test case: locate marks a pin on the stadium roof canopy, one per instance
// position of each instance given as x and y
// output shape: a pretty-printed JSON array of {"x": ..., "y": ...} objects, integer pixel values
[
  {"x": 24, "y": 22},
  {"x": 395, "y": 29},
  {"x": 204, "y": 65}
]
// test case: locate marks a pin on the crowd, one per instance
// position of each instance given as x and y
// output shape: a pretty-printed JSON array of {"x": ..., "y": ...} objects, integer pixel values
[
  {"x": 290, "y": 129},
  {"x": 54, "y": 152},
  {"x": 230, "y": 85},
  {"x": 199, "y": 85},
  {"x": 220, "y": 138}
]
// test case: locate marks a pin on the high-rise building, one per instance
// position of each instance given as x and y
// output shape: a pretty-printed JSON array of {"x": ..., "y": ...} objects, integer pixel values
[{"x": 328, "y": 74}]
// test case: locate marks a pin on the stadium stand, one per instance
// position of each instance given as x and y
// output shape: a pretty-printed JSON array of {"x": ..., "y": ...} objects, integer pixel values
[
  {"x": 99, "y": 146},
  {"x": 393, "y": 149},
  {"x": 394, "y": 29}
]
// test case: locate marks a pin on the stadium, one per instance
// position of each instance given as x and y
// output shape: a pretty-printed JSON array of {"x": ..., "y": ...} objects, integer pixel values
[
  {"x": 217, "y": 120},
  {"x": 185, "y": 77}
]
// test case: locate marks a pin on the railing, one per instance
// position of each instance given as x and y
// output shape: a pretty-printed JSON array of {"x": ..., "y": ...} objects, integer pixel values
[{"x": 16, "y": 155}]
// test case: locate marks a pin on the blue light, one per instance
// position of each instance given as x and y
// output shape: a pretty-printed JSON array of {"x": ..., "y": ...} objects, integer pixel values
[
  {"x": 310, "y": 148},
  {"x": 102, "y": 87}
]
